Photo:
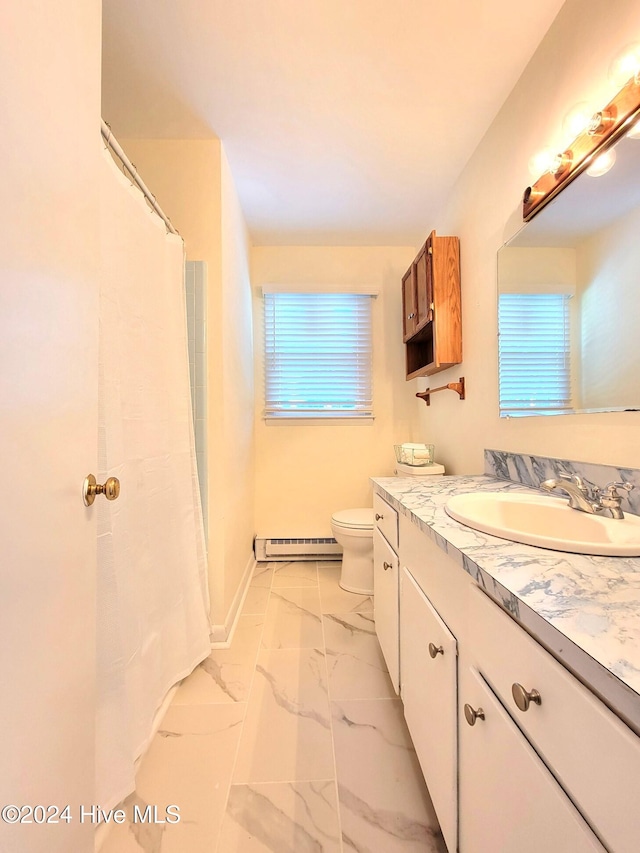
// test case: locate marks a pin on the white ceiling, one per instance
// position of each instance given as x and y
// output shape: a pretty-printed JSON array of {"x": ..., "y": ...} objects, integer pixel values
[{"x": 345, "y": 122}]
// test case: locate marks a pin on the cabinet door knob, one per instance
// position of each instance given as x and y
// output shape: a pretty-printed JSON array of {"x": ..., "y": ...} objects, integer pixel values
[
  {"x": 523, "y": 698},
  {"x": 411, "y": 316},
  {"x": 386, "y": 566},
  {"x": 471, "y": 715},
  {"x": 379, "y": 517},
  {"x": 434, "y": 650}
]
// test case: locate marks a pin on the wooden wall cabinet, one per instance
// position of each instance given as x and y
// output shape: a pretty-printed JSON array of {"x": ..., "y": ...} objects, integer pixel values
[{"x": 432, "y": 327}]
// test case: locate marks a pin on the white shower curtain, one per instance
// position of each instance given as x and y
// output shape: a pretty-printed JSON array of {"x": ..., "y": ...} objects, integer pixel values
[{"x": 152, "y": 602}]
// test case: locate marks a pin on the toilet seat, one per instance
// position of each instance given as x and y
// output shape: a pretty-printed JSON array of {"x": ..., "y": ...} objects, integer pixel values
[{"x": 354, "y": 519}]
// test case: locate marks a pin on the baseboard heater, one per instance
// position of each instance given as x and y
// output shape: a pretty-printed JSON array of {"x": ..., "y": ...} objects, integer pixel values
[{"x": 312, "y": 548}]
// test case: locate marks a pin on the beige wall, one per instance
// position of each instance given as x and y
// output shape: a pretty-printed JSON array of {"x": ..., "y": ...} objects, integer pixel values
[
  {"x": 571, "y": 65},
  {"x": 304, "y": 473},
  {"x": 235, "y": 407},
  {"x": 537, "y": 270},
  {"x": 610, "y": 309},
  {"x": 194, "y": 187},
  {"x": 184, "y": 175}
]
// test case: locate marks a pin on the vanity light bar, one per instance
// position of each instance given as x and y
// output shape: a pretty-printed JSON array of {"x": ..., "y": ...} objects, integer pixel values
[{"x": 604, "y": 130}]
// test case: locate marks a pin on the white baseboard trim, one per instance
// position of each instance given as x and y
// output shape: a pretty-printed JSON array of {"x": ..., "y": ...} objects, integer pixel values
[{"x": 222, "y": 635}]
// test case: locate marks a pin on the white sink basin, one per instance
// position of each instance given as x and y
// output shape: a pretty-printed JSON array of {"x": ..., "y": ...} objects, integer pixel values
[{"x": 546, "y": 522}]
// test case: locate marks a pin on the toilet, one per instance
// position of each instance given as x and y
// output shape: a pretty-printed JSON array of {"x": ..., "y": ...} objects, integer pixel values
[{"x": 353, "y": 529}]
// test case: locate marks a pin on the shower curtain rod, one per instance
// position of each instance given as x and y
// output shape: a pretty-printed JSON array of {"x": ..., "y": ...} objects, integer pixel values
[{"x": 113, "y": 143}]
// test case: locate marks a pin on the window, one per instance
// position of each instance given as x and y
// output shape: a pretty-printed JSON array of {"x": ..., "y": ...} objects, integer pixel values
[
  {"x": 317, "y": 355},
  {"x": 534, "y": 353}
]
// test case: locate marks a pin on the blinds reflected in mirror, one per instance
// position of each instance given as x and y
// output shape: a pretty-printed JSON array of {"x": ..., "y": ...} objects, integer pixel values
[{"x": 534, "y": 346}]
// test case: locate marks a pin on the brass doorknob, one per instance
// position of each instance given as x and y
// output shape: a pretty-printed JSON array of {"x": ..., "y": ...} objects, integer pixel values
[{"x": 91, "y": 488}]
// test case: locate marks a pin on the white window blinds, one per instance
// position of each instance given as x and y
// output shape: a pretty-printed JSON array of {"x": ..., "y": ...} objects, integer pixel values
[
  {"x": 317, "y": 355},
  {"x": 534, "y": 353}
]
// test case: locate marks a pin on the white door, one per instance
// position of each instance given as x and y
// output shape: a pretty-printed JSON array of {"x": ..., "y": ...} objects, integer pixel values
[{"x": 49, "y": 154}]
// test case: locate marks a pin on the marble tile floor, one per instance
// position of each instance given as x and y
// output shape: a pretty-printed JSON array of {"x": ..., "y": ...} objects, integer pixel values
[{"x": 291, "y": 741}]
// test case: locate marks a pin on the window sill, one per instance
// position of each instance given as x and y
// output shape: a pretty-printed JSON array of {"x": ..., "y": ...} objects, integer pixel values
[{"x": 346, "y": 421}]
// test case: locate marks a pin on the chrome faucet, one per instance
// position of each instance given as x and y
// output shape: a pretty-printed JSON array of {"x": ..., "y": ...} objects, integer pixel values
[
  {"x": 586, "y": 499},
  {"x": 580, "y": 496}
]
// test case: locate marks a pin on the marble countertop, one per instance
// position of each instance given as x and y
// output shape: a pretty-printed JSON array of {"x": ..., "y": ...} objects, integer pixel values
[{"x": 585, "y": 610}]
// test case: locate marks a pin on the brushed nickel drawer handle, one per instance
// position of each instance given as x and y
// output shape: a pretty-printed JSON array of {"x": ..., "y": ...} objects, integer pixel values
[
  {"x": 386, "y": 566},
  {"x": 471, "y": 715},
  {"x": 379, "y": 517},
  {"x": 434, "y": 650},
  {"x": 523, "y": 698}
]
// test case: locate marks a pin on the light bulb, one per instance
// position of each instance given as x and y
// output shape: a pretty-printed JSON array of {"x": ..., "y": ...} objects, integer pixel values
[
  {"x": 545, "y": 160},
  {"x": 625, "y": 65},
  {"x": 577, "y": 121},
  {"x": 602, "y": 164}
]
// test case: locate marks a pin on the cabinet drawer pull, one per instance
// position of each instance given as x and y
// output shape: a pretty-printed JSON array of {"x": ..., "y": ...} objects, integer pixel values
[
  {"x": 386, "y": 566},
  {"x": 434, "y": 650},
  {"x": 471, "y": 716},
  {"x": 379, "y": 517},
  {"x": 523, "y": 698}
]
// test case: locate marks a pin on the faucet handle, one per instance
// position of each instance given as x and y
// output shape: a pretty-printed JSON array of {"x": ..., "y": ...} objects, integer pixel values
[
  {"x": 611, "y": 489},
  {"x": 612, "y": 499}
]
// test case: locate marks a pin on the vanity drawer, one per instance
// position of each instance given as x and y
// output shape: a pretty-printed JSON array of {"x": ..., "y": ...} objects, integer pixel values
[
  {"x": 594, "y": 755},
  {"x": 386, "y": 520}
]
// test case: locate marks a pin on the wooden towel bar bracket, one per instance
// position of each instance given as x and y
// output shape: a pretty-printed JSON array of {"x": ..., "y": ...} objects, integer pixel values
[{"x": 458, "y": 387}]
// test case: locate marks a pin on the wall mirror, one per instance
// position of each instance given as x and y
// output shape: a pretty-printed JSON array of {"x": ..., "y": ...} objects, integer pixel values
[{"x": 569, "y": 298}]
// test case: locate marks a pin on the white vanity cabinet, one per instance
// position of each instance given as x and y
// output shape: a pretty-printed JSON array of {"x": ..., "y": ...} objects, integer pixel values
[
  {"x": 385, "y": 585},
  {"x": 429, "y": 655},
  {"x": 592, "y": 753},
  {"x": 509, "y": 802},
  {"x": 433, "y": 602},
  {"x": 561, "y": 776}
]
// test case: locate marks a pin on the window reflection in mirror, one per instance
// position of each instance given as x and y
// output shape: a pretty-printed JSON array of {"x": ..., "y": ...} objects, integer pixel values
[{"x": 569, "y": 299}]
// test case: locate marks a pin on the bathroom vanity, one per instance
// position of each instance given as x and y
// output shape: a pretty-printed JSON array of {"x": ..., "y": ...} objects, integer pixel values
[{"x": 519, "y": 670}]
